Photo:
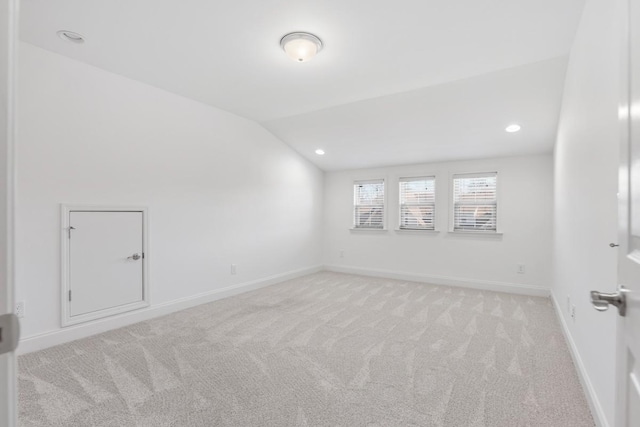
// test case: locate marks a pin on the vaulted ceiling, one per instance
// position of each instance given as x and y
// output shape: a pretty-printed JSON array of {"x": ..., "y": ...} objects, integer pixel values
[{"x": 397, "y": 82}]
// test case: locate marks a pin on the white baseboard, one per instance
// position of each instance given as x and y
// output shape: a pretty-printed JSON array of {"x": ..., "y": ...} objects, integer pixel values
[
  {"x": 72, "y": 333},
  {"x": 514, "y": 288},
  {"x": 587, "y": 386}
]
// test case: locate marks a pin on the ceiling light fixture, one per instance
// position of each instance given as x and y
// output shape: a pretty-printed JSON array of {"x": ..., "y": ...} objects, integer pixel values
[
  {"x": 70, "y": 36},
  {"x": 301, "y": 47},
  {"x": 513, "y": 128},
  {"x": 320, "y": 152}
]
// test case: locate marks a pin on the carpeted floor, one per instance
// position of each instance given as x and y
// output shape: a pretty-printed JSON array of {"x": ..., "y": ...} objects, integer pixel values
[{"x": 323, "y": 350}]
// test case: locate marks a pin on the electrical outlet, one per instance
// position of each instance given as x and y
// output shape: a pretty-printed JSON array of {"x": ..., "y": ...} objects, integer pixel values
[
  {"x": 520, "y": 269},
  {"x": 233, "y": 269},
  {"x": 341, "y": 253},
  {"x": 20, "y": 309},
  {"x": 573, "y": 312}
]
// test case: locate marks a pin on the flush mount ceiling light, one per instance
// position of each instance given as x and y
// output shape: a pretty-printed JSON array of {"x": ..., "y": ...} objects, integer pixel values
[
  {"x": 301, "y": 47},
  {"x": 70, "y": 36},
  {"x": 513, "y": 128},
  {"x": 320, "y": 152}
]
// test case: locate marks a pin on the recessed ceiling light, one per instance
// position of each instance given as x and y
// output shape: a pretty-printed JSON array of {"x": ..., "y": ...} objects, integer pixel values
[
  {"x": 320, "y": 152},
  {"x": 301, "y": 47},
  {"x": 513, "y": 128},
  {"x": 70, "y": 36}
]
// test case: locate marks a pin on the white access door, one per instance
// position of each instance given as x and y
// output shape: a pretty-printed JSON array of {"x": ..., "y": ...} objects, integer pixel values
[
  {"x": 628, "y": 370},
  {"x": 105, "y": 262}
]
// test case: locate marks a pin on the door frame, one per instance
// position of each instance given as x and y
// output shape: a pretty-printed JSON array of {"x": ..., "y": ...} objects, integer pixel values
[
  {"x": 65, "y": 309},
  {"x": 9, "y": 10},
  {"x": 624, "y": 111}
]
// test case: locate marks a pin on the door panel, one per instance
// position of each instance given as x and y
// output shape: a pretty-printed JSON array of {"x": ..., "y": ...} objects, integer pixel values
[
  {"x": 628, "y": 371},
  {"x": 633, "y": 391},
  {"x": 102, "y": 272}
]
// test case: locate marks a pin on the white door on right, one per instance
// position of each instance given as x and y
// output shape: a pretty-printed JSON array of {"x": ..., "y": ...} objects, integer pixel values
[{"x": 628, "y": 370}]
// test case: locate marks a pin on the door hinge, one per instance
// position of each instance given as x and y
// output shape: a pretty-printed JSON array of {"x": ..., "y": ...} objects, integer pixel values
[
  {"x": 69, "y": 296},
  {"x": 71, "y": 228},
  {"x": 142, "y": 255}
]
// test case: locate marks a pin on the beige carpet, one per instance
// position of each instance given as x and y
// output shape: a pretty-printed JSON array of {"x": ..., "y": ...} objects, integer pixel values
[{"x": 324, "y": 350}]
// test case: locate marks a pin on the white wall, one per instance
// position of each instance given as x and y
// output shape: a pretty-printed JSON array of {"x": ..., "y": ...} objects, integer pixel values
[
  {"x": 525, "y": 197},
  {"x": 585, "y": 218},
  {"x": 220, "y": 189}
]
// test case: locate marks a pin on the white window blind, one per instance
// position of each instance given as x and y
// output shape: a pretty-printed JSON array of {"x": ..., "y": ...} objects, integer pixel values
[
  {"x": 417, "y": 203},
  {"x": 368, "y": 204},
  {"x": 475, "y": 202}
]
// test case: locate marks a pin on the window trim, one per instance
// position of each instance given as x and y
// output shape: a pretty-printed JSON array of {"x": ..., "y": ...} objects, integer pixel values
[
  {"x": 384, "y": 204},
  {"x": 452, "y": 176},
  {"x": 435, "y": 203}
]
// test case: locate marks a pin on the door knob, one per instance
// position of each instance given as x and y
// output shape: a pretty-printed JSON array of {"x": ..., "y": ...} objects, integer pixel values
[
  {"x": 601, "y": 301},
  {"x": 134, "y": 257}
]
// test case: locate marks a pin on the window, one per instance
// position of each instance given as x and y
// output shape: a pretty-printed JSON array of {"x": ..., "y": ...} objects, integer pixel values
[
  {"x": 368, "y": 200},
  {"x": 417, "y": 203},
  {"x": 475, "y": 202}
]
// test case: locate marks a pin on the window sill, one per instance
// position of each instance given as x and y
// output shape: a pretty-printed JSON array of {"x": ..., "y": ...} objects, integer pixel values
[
  {"x": 416, "y": 231},
  {"x": 477, "y": 233},
  {"x": 375, "y": 230}
]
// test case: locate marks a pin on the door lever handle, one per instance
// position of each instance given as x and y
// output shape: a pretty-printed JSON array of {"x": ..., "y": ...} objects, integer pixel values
[
  {"x": 613, "y": 245},
  {"x": 134, "y": 257},
  {"x": 601, "y": 300},
  {"x": 9, "y": 332}
]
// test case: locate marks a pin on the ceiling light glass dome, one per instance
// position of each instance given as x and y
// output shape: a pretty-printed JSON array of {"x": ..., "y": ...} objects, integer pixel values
[{"x": 301, "y": 47}]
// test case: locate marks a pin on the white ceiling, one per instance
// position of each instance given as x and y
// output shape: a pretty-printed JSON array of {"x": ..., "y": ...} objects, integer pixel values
[
  {"x": 452, "y": 121},
  {"x": 226, "y": 53}
]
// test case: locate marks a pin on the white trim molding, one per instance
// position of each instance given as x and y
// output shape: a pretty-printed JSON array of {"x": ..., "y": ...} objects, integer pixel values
[
  {"x": 65, "y": 285},
  {"x": 486, "y": 285},
  {"x": 9, "y": 22},
  {"x": 72, "y": 333},
  {"x": 594, "y": 403},
  {"x": 416, "y": 231}
]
